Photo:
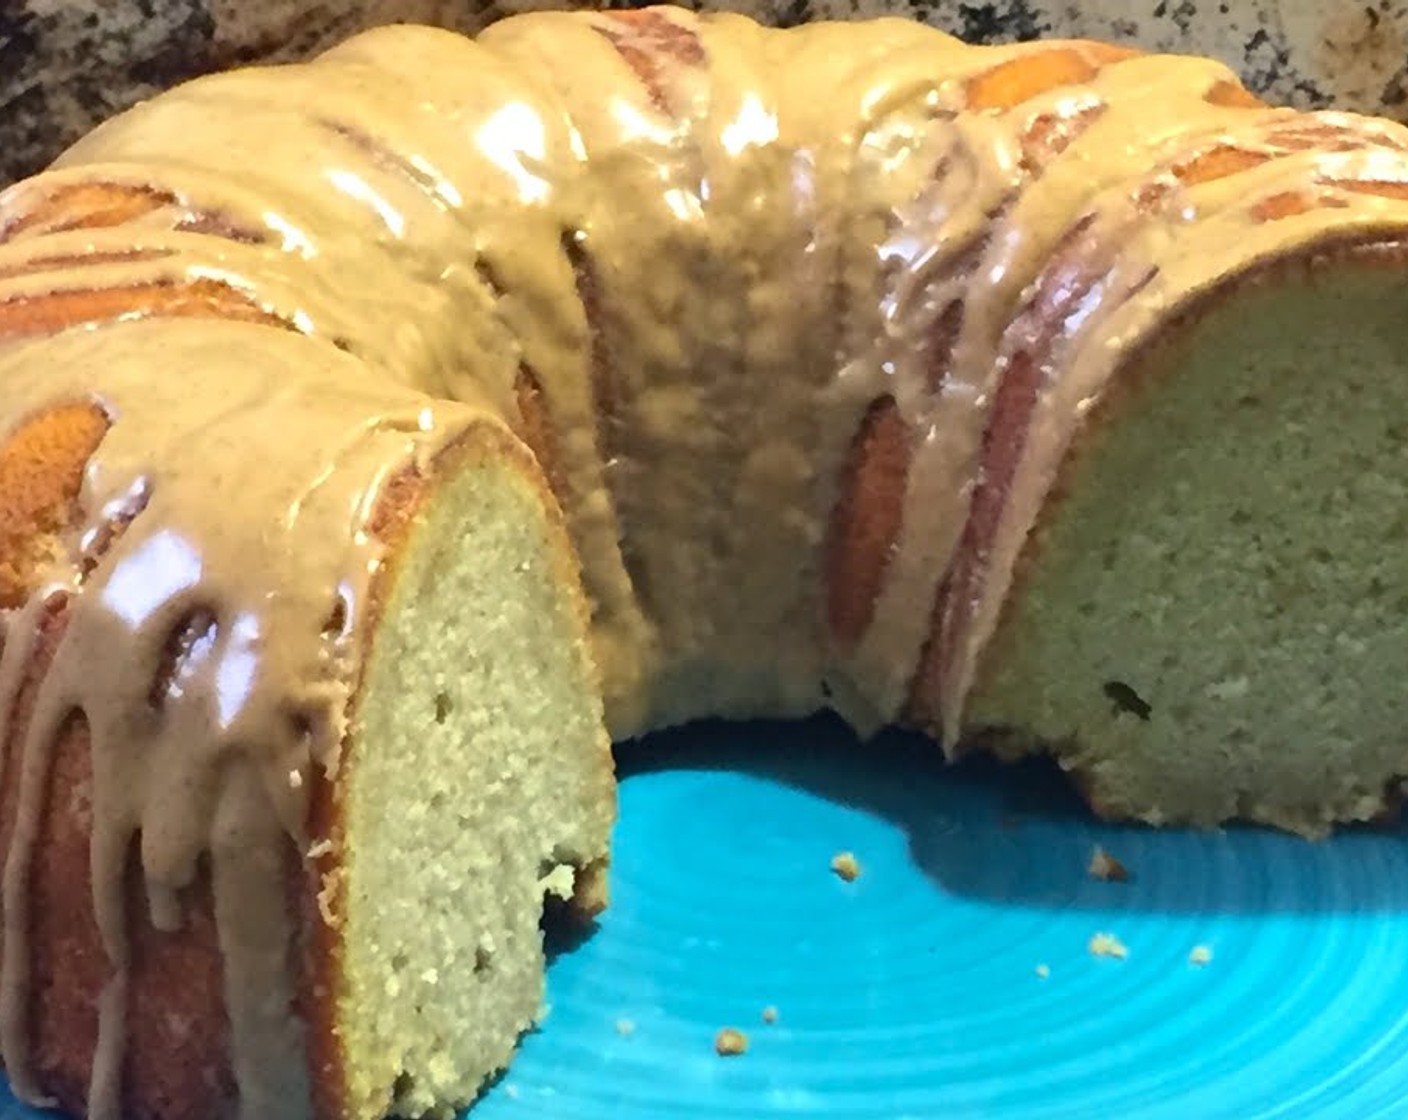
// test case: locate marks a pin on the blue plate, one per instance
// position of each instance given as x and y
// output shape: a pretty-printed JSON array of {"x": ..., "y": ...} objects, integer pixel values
[{"x": 954, "y": 979}]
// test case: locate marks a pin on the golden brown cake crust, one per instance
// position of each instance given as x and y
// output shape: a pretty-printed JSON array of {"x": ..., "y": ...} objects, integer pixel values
[
  {"x": 177, "y": 1064},
  {"x": 867, "y": 520},
  {"x": 41, "y": 469},
  {"x": 38, "y": 316}
]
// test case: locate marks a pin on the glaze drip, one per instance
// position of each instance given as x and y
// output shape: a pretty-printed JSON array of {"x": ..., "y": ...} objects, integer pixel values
[
  {"x": 800, "y": 323},
  {"x": 231, "y": 693}
]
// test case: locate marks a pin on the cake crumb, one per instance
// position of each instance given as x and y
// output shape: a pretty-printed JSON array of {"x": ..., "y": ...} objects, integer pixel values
[
  {"x": 846, "y": 866},
  {"x": 625, "y": 1028},
  {"x": 1108, "y": 945},
  {"x": 770, "y": 1014},
  {"x": 729, "y": 1043},
  {"x": 1107, "y": 868},
  {"x": 1043, "y": 971},
  {"x": 330, "y": 894},
  {"x": 1201, "y": 955}
]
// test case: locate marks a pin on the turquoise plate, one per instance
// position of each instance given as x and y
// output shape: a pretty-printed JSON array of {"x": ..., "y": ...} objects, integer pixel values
[{"x": 954, "y": 979}]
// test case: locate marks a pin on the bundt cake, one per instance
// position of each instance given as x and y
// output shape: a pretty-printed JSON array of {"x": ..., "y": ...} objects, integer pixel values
[{"x": 383, "y": 434}]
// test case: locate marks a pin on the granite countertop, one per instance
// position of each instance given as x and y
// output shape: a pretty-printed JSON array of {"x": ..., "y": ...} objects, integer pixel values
[{"x": 67, "y": 64}]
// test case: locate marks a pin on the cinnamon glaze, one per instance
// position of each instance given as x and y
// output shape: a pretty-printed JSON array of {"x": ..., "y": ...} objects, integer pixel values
[
  {"x": 179, "y": 609},
  {"x": 800, "y": 323}
]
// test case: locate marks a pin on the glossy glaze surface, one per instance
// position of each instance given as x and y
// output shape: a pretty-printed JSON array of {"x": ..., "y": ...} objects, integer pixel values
[{"x": 730, "y": 265}]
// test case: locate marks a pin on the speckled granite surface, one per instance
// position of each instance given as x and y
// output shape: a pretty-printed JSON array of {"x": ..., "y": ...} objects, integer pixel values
[{"x": 65, "y": 64}]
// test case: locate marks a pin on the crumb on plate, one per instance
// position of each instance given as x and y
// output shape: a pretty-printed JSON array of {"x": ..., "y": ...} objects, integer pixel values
[
  {"x": 729, "y": 1043},
  {"x": 770, "y": 1014},
  {"x": 1108, "y": 945},
  {"x": 625, "y": 1027},
  {"x": 1107, "y": 868},
  {"x": 1201, "y": 955},
  {"x": 846, "y": 866},
  {"x": 1043, "y": 971}
]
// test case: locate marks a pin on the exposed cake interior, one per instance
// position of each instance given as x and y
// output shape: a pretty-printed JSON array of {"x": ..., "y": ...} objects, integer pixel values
[
  {"x": 479, "y": 781},
  {"x": 1211, "y": 620}
]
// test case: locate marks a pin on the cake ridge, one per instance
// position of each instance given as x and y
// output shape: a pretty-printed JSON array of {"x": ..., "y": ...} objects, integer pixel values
[{"x": 771, "y": 355}]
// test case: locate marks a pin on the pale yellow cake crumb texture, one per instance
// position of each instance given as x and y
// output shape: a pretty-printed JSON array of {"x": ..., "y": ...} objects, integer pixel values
[
  {"x": 846, "y": 866},
  {"x": 1201, "y": 955},
  {"x": 1108, "y": 945},
  {"x": 730, "y": 1043},
  {"x": 479, "y": 782},
  {"x": 1269, "y": 666},
  {"x": 770, "y": 1014}
]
